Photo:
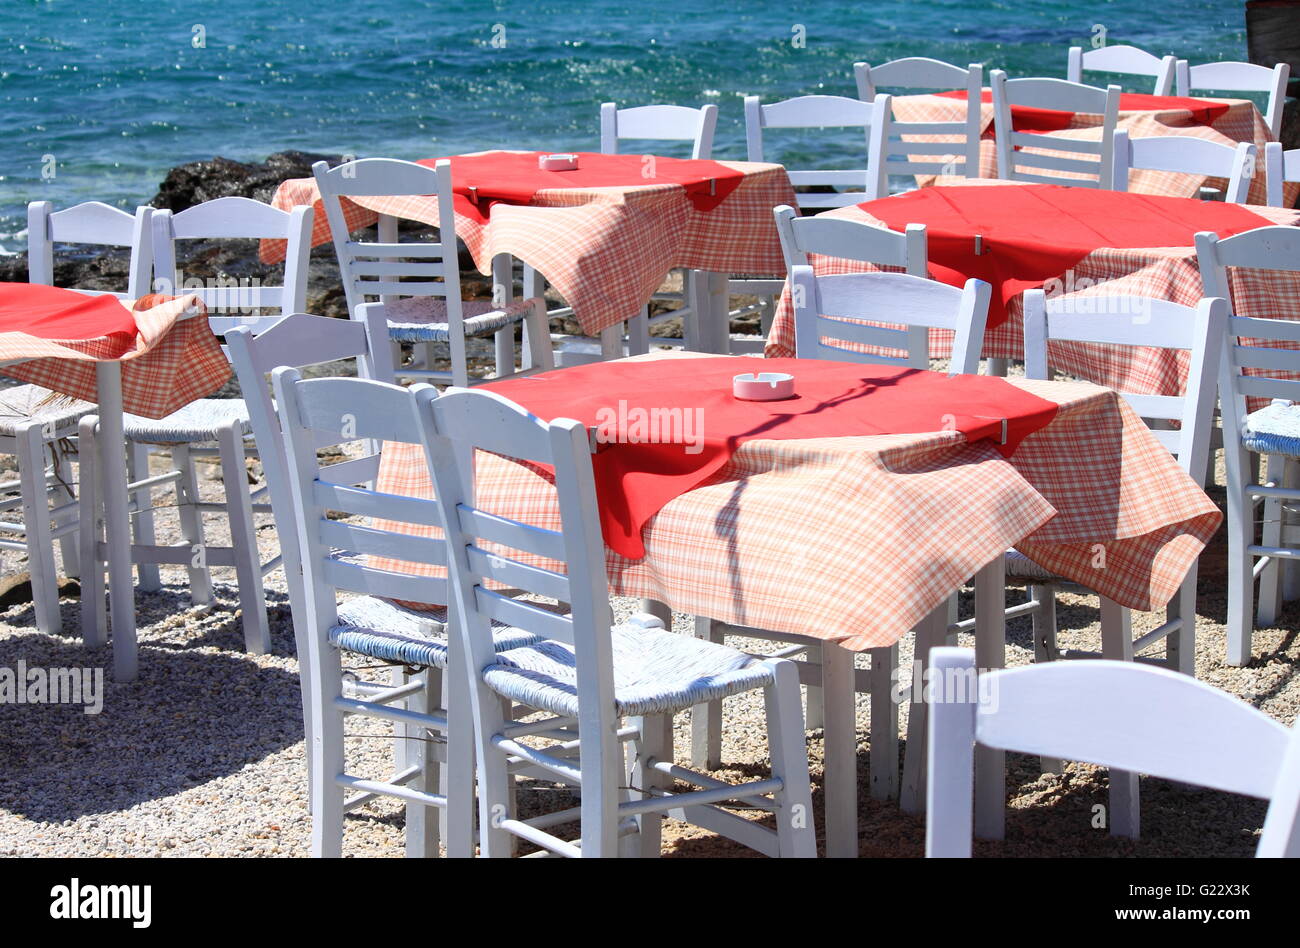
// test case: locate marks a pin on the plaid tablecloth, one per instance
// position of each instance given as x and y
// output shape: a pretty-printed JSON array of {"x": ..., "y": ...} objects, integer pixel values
[
  {"x": 605, "y": 250},
  {"x": 170, "y": 362},
  {"x": 1169, "y": 273},
  {"x": 1240, "y": 123},
  {"x": 854, "y": 540}
]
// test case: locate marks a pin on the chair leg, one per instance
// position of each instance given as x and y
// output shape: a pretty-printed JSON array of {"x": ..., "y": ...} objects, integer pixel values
[
  {"x": 493, "y": 778},
  {"x": 884, "y": 724},
  {"x": 1117, "y": 644},
  {"x": 655, "y": 744},
  {"x": 187, "y": 495},
  {"x": 36, "y": 518},
  {"x": 706, "y": 719},
  {"x": 929, "y": 632},
  {"x": 243, "y": 539},
  {"x": 1241, "y": 586},
  {"x": 795, "y": 833},
  {"x": 416, "y": 750},
  {"x": 602, "y": 776},
  {"x": 815, "y": 715},
  {"x": 1180, "y": 648},
  {"x": 1045, "y": 650},
  {"x": 638, "y": 332},
  {"x": 1270, "y": 579},
  {"x": 94, "y": 614},
  {"x": 326, "y": 759},
  {"x": 142, "y": 530},
  {"x": 538, "y": 352},
  {"x": 68, "y": 548},
  {"x": 457, "y": 774},
  {"x": 839, "y": 756}
]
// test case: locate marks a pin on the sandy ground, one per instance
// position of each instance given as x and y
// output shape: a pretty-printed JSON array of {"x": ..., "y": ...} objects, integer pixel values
[{"x": 203, "y": 754}]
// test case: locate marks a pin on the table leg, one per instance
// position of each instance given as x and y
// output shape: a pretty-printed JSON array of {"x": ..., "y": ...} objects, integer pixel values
[
  {"x": 839, "y": 755},
  {"x": 710, "y": 304},
  {"x": 117, "y": 534},
  {"x": 990, "y": 654}
]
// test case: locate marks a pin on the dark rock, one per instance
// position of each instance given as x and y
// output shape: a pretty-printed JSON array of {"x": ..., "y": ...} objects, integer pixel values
[
  {"x": 17, "y": 589},
  {"x": 199, "y": 181}
]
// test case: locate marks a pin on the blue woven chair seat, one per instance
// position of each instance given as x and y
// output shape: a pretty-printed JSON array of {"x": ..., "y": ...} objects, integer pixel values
[
  {"x": 391, "y": 632},
  {"x": 424, "y": 318},
  {"x": 23, "y": 403},
  {"x": 655, "y": 672},
  {"x": 197, "y": 421},
  {"x": 1019, "y": 566},
  {"x": 1274, "y": 429}
]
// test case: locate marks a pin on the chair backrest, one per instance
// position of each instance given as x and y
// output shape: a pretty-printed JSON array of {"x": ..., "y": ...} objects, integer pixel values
[
  {"x": 312, "y": 413},
  {"x": 236, "y": 217},
  {"x": 1118, "y": 714},
  {"x": 1141, "y": 322},
  {"x": 1189, "y": 155},
  {"x": 835, "y": 307},
  {"x": 957, "y": 150},
  {"x": 850, "y": 240},
  {"x": 1239, "y": 77},
  {"x": 387, "y": 269},
  {"x": 828, "y": 111},
  {"x": 300, "y": 340},
  {"x": 1279, "y": 167},
  {"x": 1264, "y": 248},
  {"x": 485, "y": 549},
  {"x": 1122, "y": 59},
  {"x": 95, "y": 224},
  {"x": 1020, "y": 156},
  {"x": 676, "y": 123}
]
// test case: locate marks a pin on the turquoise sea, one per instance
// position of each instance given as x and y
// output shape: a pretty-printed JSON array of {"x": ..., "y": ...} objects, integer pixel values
[{"x": 98, "y": 98}]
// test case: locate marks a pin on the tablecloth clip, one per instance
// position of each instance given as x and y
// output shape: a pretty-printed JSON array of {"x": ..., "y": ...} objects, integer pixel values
[
  {"x": 473, "y": 193},
  {"x": 979, "y": 245},
  {"x": 713, "y": 187}
]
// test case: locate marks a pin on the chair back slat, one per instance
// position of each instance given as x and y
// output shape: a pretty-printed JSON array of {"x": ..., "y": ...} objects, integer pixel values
[
  {"x": 360, "y": 539},
  {"x": 1239, "y": 77},
  {"x": 959, "y": 151},
  {"x": 1123, "y": 59},
  {"x": 1280, "y": 167},
  {"x": 850, "y": 240},
  {"x": 1188, "y": 156},
  {"x": 1020, "y": 154},
  {"x": 511, "y": 533},
  {"x": 659, "y": 123},
  {"x": 96, "y": 224}
]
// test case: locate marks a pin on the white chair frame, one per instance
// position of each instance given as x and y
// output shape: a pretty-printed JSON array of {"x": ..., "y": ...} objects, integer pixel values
[
  {"x": 1123, "y": 59},
  {"x": 1187, "y": 155},
  {"x": 461, "y": 422},
  {"x": 1280, "y": 167},
  {"x": 959, "y": 150},
  {"x": 376, "y": 268},
  {"x": 1239, "y": 77},
  {"x": 1267, "y": 248},
  {"x": 1115, "y": 714},
  {"x": 1017, "y": 150}
]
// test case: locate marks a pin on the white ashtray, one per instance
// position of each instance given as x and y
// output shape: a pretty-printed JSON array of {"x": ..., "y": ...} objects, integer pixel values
[
  {"x": 557, "y": 162},
  {"x": 763, "y": 386}
]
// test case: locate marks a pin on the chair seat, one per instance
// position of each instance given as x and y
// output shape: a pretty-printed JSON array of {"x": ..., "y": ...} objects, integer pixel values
[
  {"x": 655, "y": 672},
  {"x": 1274, "y": 429},
  {"x": 392, "y": 632},
  {"x": 24, "y": 403},
  {"x": 1019, "y": 566},
  {"x": 198, "y": 421},
  {"x": 424, "y": 318}
]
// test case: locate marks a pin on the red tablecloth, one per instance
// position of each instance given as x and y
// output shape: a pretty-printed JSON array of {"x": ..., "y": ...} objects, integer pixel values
[
  {"x": 1036, "y": 232},
  {"x": 664, "y": 427},
  {"x": 1028, "y": 119},
  {"x": 51, "y": 312},
  {"x": 509, "y": 177}
]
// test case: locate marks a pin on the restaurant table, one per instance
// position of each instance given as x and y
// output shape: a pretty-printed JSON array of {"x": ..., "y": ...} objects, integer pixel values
[
  {"x": 854, "y": 540},
  {"x": 1076, "y": 243},
  {"x": 1223, "y": 121},
  {"x": 149, "y": 358},
  {"x": 604, "y": 235}
]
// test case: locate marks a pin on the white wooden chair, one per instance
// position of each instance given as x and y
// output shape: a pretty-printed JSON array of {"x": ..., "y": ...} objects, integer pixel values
[
  {"x": 193, "y": 430},
  {"x": 417, "y": 284},
  {"x": 1136, "y": 322},
  {"x": 659, "y": 123},
  {"x": 35, "y": 422},
  {"x": 1265, "y": 432},
  {"x": 1128, "y": 60},
  {"x": 312, "y": 414},
  {"x": 1025, "y": 156},
  {"x": 586, "y": 673},
  {"x": 954, "y": 145},
  {"x": 1239, "y": 77},
  {"x": 872, "y": 119},
  {"x": 1188, "y": 155},
  {"x": 1115, "y": 714},
  {"x": 1280, "y": 167},
  {"x": 300, "y": 340}
]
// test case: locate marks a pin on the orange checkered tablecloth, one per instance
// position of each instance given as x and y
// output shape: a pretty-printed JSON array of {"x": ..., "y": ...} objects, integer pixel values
[
  {"x": 855, "y": 540},
  {"x": 1240, "y": 123},
  {"x": 605, "y": 250},
  {"x": 172, "y": 360},
  {"x": 1169, "y": 273}
]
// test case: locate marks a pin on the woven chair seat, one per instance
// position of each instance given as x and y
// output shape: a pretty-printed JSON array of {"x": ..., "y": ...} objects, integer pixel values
[
  {"x": 1019, "y": 566},
  {"x": 424, "y": 318},
  {"x": 197, "y": 421},
  {"x": 392, "y": 632},
  {"x": 1274, "y": 429},
  {"x": 655, "y": 672},
  {"x": 24, "y": 403}
]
